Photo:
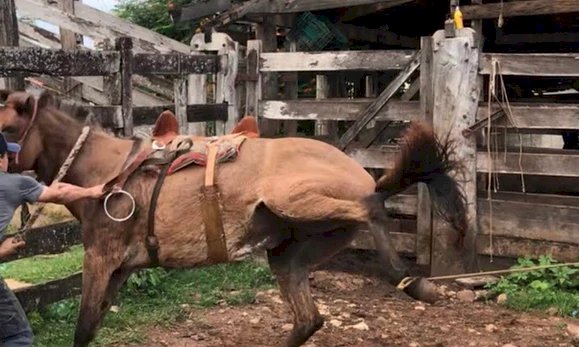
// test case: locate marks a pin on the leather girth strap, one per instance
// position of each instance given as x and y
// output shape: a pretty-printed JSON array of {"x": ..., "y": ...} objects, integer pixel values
[
  {"x": 152, "y": 243},
  {"x": 211, "y": 211}
]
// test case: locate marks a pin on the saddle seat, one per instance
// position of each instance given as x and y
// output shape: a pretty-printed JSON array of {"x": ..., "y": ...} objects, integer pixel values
[{"x": 167, "y": 145}]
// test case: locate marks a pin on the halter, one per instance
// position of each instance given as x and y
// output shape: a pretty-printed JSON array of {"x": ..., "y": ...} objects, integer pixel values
[{"x": 24, "y": 134}]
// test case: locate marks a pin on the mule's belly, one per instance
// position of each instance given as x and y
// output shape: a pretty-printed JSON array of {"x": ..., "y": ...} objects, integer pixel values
[{"x": 179, "y": 224}]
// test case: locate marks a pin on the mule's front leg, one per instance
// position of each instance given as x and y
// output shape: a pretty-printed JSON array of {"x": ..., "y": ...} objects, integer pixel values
[{"x": 101, "y": 280}]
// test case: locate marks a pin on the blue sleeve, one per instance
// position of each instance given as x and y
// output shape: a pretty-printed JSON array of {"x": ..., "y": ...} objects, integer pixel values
[{"x": 30, "y": 189}]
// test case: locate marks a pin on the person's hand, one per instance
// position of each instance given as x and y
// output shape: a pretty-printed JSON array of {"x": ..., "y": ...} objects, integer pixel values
[
  {"x": 98, "y": 191},
  {"x": 9, "y": 246}
]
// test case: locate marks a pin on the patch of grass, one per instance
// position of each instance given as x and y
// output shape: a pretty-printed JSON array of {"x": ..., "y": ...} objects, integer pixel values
[
  {"x": 541, "y": 289},
  {"x": 43, "y": 268},
  {"x": 153, "y": 297}
]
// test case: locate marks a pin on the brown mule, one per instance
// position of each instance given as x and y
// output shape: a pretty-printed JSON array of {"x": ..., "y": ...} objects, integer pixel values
[{"x": 301, "y": 200}]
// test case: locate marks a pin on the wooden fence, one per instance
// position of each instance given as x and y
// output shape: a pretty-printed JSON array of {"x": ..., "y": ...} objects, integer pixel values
[{"x": 509, "y": 225}]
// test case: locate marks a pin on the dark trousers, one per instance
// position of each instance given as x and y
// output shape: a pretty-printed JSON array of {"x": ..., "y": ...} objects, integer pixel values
[{"x": 15, "y": 330}]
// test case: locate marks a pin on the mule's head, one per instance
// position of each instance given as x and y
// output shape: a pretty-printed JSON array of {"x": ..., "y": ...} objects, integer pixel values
[{"x": 18, "y": 115}]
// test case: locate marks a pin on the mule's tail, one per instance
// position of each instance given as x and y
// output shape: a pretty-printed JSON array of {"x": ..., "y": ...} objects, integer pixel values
[{"x": 423, "y": 158}]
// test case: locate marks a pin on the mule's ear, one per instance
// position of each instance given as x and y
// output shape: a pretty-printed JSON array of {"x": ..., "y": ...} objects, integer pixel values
[
  {"x": 27, "y": 107},
  {"x": 47, "y": 99}
]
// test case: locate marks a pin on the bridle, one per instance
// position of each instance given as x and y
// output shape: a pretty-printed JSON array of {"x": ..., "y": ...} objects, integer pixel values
[{"x": 24, "y": 134}]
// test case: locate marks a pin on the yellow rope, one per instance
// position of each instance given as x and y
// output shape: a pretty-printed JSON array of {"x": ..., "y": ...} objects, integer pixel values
[{"x": 406, "y": 281}]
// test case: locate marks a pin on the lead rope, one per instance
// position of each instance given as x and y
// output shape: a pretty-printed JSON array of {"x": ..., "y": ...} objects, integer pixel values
[
  {"x": 406, "y": 281},
  {"x": 21, "y": 234}
]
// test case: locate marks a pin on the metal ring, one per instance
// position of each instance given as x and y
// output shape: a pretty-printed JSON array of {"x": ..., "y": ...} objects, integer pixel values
[{"x": 119, "y": 192}]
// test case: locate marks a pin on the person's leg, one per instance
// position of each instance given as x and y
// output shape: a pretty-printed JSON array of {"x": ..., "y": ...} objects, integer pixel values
[{"x": 15, "y": 331}]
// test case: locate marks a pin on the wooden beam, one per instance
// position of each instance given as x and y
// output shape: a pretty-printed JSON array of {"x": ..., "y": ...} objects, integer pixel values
[
  {"x": 455, "y": 80},
  {"x": 529, "y": 116},
  {"x": 519, "y": 8},
  {"x": 16, "y": 61},
  {"x": 124, "y": 46},
  {"x": 50, "y": 239},
  {"x": 68, "y": 42},
  {"x": 537, "y": 38},
  {"x": 533, "y": 64},
  {"x": 372, "y": 110},
  {"x": 556, "y": 163},
  {"x": 359, "y": 33},
  {"x": 403, "y": 242},
  {"x": 335, "y": 109},
  {"x": 40, "y": 295},
  {"x": 202, "y": 9},
  {"x": 516, "y": 248},
  {"x": 424, "y": 216},
  {"x": 174, "y": 64},
  {"x": 9, "y": 38},
  {"x": 335, "y": 61},
  {"x": 361, "y": 11},
  {"x": 283, "y": 6},
  {"x": 90, "y": 22},
  {"x": 533, "y": 221}
]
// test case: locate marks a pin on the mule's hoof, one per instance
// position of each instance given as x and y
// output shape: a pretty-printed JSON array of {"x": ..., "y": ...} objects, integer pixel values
[{"x": 423, "y": 290}]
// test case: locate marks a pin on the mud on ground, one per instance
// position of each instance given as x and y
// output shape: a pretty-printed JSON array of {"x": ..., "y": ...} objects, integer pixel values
[{"x": 361, "y": 309}]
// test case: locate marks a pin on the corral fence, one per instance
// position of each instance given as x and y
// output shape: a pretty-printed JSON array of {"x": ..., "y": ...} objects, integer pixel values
[{"x": 419, "y": 85}]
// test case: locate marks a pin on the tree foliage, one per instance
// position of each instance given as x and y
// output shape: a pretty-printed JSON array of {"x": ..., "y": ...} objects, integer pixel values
[{"x": 154, "y": 15}]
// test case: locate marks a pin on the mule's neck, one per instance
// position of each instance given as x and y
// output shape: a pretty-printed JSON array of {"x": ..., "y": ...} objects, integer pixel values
[{"x": 101, "y": 156}]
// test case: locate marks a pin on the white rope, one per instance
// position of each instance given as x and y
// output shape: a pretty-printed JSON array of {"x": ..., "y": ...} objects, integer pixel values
[{"x": 124, "y": 192}]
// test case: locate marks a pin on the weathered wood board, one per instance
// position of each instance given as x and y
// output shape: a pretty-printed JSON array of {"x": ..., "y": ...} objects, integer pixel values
[{"x": 335, "y": 61}]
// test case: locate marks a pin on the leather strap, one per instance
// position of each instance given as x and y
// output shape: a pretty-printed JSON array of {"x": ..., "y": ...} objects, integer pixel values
[
  {"x": 211, "y": 211},
  {"x": 152, "y": 243}
]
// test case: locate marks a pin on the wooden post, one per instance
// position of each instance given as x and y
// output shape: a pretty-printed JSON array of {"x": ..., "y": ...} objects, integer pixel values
[
  {"x": 322, "y": 92},
  {"x": 112, "y": 90},
  {"x": 253, "y": 86},
  {"x": 197, "y": 87},
  {"x": 125, "y": 46},
  {"x": 424, "y": 208},
  {"x": 291, "y": 92},
  {"x": 68, "y": 41},
  {"x": 266, "y": 32},
  {"x": 180, "y": 91},
  {"x": 228, "y": 50},
  {"x": 455, "y": 82},
  {"x": 9, "y": 37}
]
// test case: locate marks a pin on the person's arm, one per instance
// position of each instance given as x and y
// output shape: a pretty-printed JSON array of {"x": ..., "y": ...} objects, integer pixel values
[
  {"x": 64, "y": 193},
  {"x": 59, "y": 193}
]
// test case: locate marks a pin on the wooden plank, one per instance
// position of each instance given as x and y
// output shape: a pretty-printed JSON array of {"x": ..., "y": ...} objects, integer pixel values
[
  {"x": 17, "y": 61},
  {"x": 515, "y": 248},
  {"x": 374, "y": 158},
  {"x": 403, "y": 242},
  {"x": 533, "y": 221},
  {"x": 68, "y": 41},
  {"x": 267, "y": 33},
  {"x": 202, "y": 9},
  {"x": 560, "y": 163},
  {"x": 323, "y": 127},
  {"x": 455, "y": 80},
  {"x": 9, "y": 37},
  {"x": 50, "y": 239},
  {"x": 125, "y": 47},
  {"x": 529, "y": 116},
  {"x": 533, "y": 64},
  {"x": 372, "y": 110},
  {"x": 174, "y": 64},
  {"x": 336, "y": 109},
  {"x": 290, "y": 90},
  {"x": 519, "y": 8},
  {"x": 536, "y": 38},
  {"x": 283, "y": 6},
  {"x": 40, "y": 295},
  {"x": 181, "y": 104},
  {"x": 361, "y": 11},
  {"x": 424, "y": 210},
  {"x": 253, "y": 87},
  {"x": 335, "y": 61},
  {"x": 90, "y": 22},
  {"x": 197, "y": 89},
  {"x": 402, "y": 204}
]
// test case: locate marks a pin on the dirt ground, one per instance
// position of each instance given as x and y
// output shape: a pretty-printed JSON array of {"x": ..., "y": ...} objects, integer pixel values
[{"x": 362, "y": 310}]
